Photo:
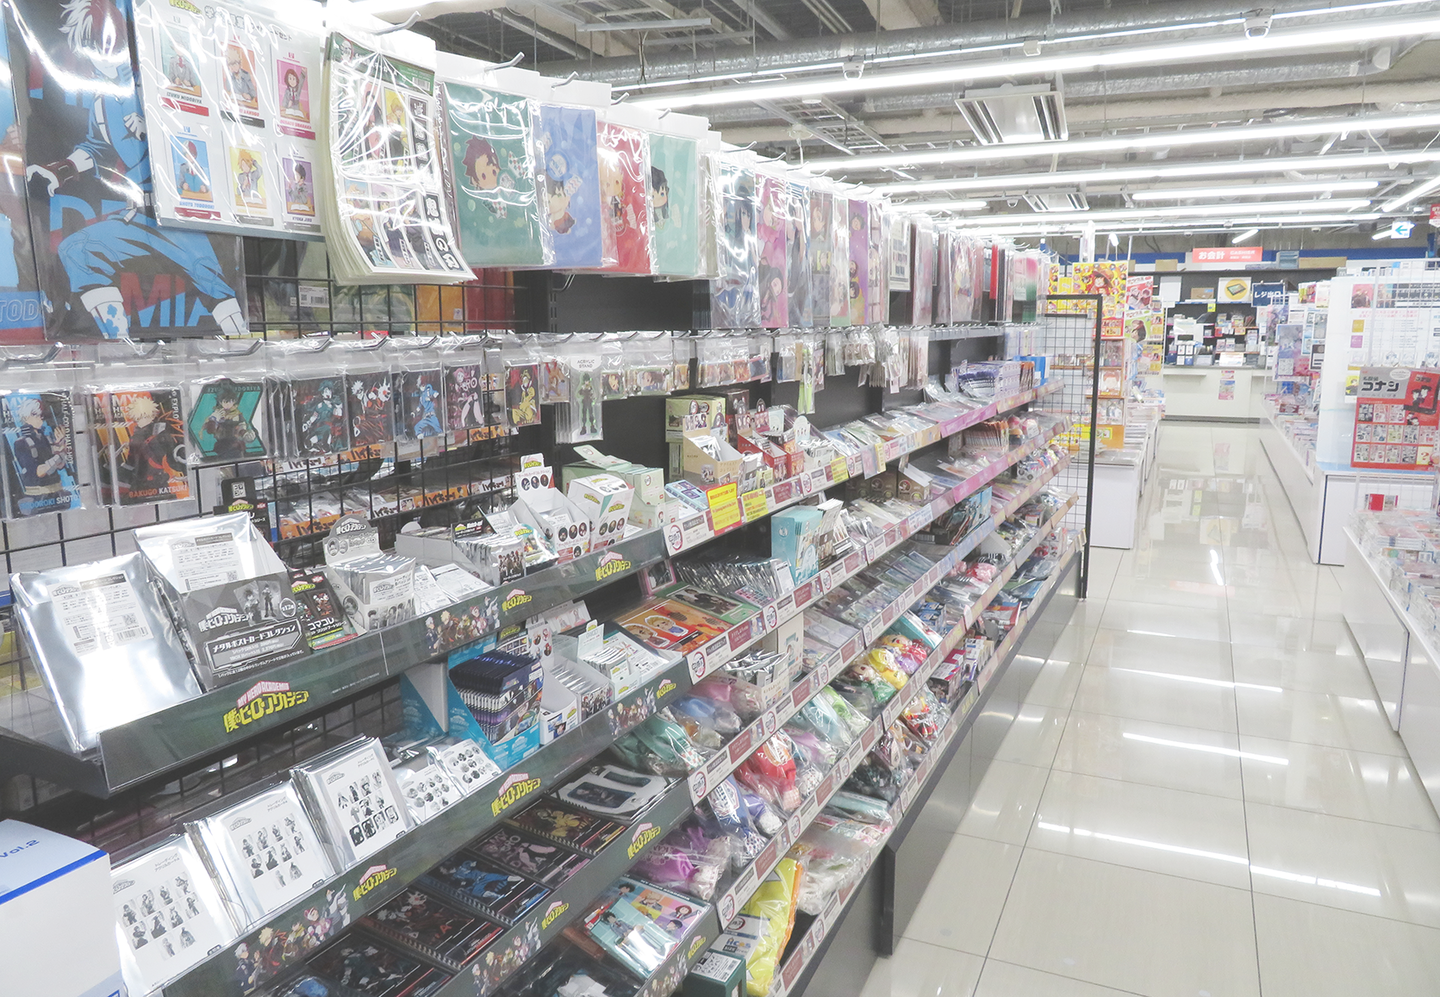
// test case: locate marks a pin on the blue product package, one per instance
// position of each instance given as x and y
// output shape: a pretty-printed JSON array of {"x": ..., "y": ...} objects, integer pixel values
[
  {"x": 571, "y": 177},
  {"x": 792, "y": 539}
]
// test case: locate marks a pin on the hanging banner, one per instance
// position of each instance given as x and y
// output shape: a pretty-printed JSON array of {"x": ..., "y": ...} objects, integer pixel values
[{"x": 1397, "y": 410}]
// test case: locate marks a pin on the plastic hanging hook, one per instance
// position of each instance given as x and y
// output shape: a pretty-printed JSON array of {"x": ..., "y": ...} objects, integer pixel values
[
  {"x": 574, "y": 74},
  {"x": 512, "y": 62},
  {"x": 409, "y": 22}
]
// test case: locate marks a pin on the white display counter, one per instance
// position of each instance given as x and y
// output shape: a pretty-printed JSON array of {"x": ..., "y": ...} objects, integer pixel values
[
  {"x": 1120, "y": 479},
  {"x": 1195, "y": 392}
]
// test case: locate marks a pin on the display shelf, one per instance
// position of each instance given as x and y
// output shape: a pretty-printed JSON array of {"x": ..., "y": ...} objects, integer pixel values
[
  {"x": 383, "y": 875},
  {"x": 216, "y": 723},
  {"x": 400, "y": 864}
]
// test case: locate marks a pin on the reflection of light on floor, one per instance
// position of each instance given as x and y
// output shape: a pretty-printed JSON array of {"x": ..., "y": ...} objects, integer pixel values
[
  {"x": 1199, "y": 681},
  {"x": 1207, "y": 748},
  {"x": 1215, "y": 567},
  {"x": 1160, "y": 846}
]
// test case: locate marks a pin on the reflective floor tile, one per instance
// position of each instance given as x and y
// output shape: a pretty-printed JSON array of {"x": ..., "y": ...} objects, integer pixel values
[
  {"x": 962, "y": 904},
  {"x": 1004, "y": 805},
  {"x": 1315, "y": 718},
  {"x": 920, "y": 970},
  {"x": 1151, "y": 754},
  {"x": 1128, "y": 929},
  {"x": 1034, "y": 735},
  {"x": 1338, "y": 673},
  {"x": 1148, "y": 694},
  {"x": 1153, "y": 650},
  {"x": 1148, "y": 618},
  {"x": 1002, "y": 979}
]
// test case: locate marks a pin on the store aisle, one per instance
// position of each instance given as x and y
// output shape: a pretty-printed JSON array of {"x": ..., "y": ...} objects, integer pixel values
[{"x": 1201, "y": 796}]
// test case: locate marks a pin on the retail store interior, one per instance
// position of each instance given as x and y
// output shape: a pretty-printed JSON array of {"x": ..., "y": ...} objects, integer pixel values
[{"x": 778, "y": 498}]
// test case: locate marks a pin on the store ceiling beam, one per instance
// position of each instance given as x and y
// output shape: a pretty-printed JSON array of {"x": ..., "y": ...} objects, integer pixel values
[{"x": 919, "y": 42}]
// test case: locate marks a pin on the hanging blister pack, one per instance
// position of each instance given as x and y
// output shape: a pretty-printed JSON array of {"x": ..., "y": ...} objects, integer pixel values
[
  {"x": 735, "y": 292},
  {"x": 41, "y": 452}
]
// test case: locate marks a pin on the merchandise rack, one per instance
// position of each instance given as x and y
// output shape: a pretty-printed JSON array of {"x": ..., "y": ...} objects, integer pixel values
[
  {"x": 197, "y": 730},
  {"x": 374, "y": 882}
]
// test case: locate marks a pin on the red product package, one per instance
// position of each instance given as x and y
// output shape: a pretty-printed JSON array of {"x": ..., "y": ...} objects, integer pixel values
[{"x": 624, "y": 155}]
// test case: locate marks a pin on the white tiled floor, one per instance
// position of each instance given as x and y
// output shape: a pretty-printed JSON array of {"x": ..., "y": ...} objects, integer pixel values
[{"x": 1205, "y": 799}]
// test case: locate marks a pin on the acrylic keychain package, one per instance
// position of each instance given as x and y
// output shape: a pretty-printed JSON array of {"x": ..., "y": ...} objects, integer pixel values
[
  {"x": 310, "y": 397},
  {"x": 103, "y": 644},
  {"x": 168, "y": 914},
  {"x": 496, "y": 396},
  {"x": 462, "y": 362},
  {"x": 613, "y": 382},
  {"x": 735, "y": 291},
  {"x": 227, "y": 400},
  {"x": 369, "y": 393},
  {"x": 388, "y": 216},
  {"x": 580, "y": 421},
  {"x": 497, "y": 176},
  {"x": 522, "y": 384},
  {"x": 357, "y": 804},
  {"x": 550, "y": 354},
  {"x": 263, "y": 850},
  {"x": 650, "y": 364},
  {"x": 417, "y": 385},
  {"x": 624, "y": 164},
  {"x": 38, "y": 423}
]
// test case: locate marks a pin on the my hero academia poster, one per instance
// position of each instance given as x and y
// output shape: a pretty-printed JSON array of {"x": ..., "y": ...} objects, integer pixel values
[
  {"x": 106, "y": 267},
  {"x": 21, "y": 312}
]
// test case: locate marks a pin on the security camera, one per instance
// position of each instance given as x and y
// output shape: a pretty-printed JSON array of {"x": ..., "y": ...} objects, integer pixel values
[
  {"x": 1257, "y": 25},
  {"x": 1012, "y": 201}
]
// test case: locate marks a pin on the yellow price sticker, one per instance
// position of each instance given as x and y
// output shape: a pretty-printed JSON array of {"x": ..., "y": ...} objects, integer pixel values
[
  {"x": 839, "y": 469},
  {"x": 724, "y": 506},
  {"x": 756, "y": 504}
]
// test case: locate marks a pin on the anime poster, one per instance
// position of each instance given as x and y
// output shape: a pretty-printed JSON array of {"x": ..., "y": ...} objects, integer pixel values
[
  {"x": 148, "y": 439},
  {"x": 840, "y": 261},
  {"x": 1397, "y": 412},
  {"x": 859, "y": 229},
  {"x": 106, "y": 266},
  {"x": 421, "y": 402},
  {"x": 797, "y": 248},
  {"x": 496, "y": 178},
  {"x": 572, "y": 184},
  {"x": 877, "y": 285},
  {"x": 390, "y": 202},
  {"x": 675, "y": 205},
  {"x": 735, "y": 293},
  {"x": 624, "y": 161},
  {"x": 22, "y": 318},
  {"x": 225, "y": 420},
  {"x": 821, "y": 248},
  {"x": 40, "y": 472},
  {"x": 774, "y": 261},
  {"x": 317, "y": 406},
  {"x": 235, "y": 81},
  {"x": 922, "y": 270}
]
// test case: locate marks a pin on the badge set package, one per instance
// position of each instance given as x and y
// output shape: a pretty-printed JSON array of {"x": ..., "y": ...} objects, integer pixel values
[
  {"x": 388, "y": 218},
  {"x": 232, "y": 109}
]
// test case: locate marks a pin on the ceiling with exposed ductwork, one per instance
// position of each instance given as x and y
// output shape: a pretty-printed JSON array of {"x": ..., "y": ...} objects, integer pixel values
[{"x": 1010, "y": 115}]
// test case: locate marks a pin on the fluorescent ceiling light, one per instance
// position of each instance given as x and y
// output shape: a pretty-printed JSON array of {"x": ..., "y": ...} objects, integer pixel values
[
  {"x": 1160, "y": 214},
  {"x": 948, "y": 205},
  {"x": 1410, "y": 195},
  {"x": 1245, "y": 236},
  {"x": 1228, "y": 47},
  {"x": 1256, "y": 190},
  {"x": 1219, "y": 224},
  {"x": 1128, "y": 143},
  {"x": 1239, "y": 167}
]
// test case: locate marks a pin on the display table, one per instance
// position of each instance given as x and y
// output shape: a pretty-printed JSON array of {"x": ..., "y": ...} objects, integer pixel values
[
  {"x": 1195, "y": 392},
  {"x": 1120, "y": 478}
]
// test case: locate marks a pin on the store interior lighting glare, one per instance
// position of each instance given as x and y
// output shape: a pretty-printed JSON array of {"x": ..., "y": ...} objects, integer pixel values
[
  {"x": 1249, "y": 190},
  {"x": 1153, "y": 225},
  {"x": 1245, "y": 236},
  {"x": 1418, "y": 190},
  {"x": 1172, "y": 211},
  {"x": 1229, "y": 46}
]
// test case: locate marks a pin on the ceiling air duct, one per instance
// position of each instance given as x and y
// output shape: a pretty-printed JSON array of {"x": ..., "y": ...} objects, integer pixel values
[{"x": 1015, "y": 114}]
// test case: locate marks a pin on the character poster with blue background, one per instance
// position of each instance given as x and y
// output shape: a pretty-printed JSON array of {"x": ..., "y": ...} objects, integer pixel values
[
  {"x": 105, "y": 266},
  {"x": 22, "y": 313},
  {"x": 571, "y": 176}
]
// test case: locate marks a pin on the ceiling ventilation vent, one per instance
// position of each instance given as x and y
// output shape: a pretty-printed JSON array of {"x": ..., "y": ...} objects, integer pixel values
[
  {"x": 1057, "y": 202},
  {"x": 1015, "y": 114}
]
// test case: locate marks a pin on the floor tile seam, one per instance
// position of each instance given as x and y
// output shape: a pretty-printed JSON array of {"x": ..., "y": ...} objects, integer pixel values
[
  {"x": 1401, "y": 753},
  {"x": 1119, "y": 716},
  {"x": 1059, "y": 976},
  {"x": 1148, "y": 785},
  {"x": 1352, "y": 820},
  {"x": 1136, "y": 868},
  {"x": 1432, "y": 928}
]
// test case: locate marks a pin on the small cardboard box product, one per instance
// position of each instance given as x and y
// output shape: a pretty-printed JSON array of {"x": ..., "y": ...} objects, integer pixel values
[
  {"x": 605, "y": 501},
  {"x": 788, "y": 639},
  {"x": 376, "y": 589},
  {"x": 707, "y": 460},
  {"x": 57, "y": 919},
  {"x": 562, "y": 527},
  {"x": 793, "y": 536},
  {"x": 716, "y": 975},
  {"x": 684, "y": 413}
]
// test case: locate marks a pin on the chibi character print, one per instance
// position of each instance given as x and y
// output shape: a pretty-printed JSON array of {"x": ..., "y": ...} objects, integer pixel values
[{"x": 482, "y": 168}]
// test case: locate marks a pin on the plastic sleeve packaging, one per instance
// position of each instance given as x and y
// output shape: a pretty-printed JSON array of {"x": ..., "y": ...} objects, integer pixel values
[
  {"x": 624, "y": 166},
  {"x": 41, "y": 453},
  {"x": 922, "y": 295},
  {"x": 388, "y": 219},
  {"x": 819, "y": 207},
  {"x": 571, "y": 181},
  {"x": 797, "y": 247},
  {"x": 357, "y": 804},
  {"x": 877, "y": 300},
  {"x": 137, "y": 442},
  {"x": 230, "y": 98},
  {"x": 774, "y": 902},
  {"x": 103, "y": 644},
  {"x": 772, "y": 223},
  {"x": 840, "y": 272},
  {"x": 675, "y": 205},
  {"x": 499, "y": 181},
  {"x": 735, "y": 292}
]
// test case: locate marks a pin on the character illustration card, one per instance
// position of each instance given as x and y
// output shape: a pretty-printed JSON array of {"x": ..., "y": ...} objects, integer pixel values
[
  {"x": 624, "y": 157},
  {"x": 522, "y": 393},
  {"x": 774, "y": 265},
  {"x": 239, "y": 83},
  {"x": 178, "y": 64},
  {"x": 41, "y": 477},
  {"x": 247, "y": 167},
  {"x": 674, "y": 205},
  {"x": 821, "y": 245},
  {"x": 569, "y": 158},
  {"x": 859, "y": 229},
  {"x": 106, "y": 266},
  {"x": 420, "y": 922},
  {"x": 797, "y": 248},
  {"x": 148, "y": 434},
  {"x": 464, "y": 396},
  {"x": 735, "y": 293},
  {"x": 319, "y": 417},
  {"x": 190, "y": 161},
  {"x": 497, "y": 180},
  {"x": 292, "y": 80},
  {"x": 225, "y": 421},
  {"x": 371, "y": 408},
  {"x": 422, "y": 404},
  {"x": 298, "y": 175},
  {"x": 374, "y": 969}
]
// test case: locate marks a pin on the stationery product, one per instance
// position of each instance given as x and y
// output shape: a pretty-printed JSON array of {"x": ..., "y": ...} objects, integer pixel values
[
  {"x": 569, "y": 826},
  {"x": 533, "y": 856},
  {"x": 168, "y": 915},
  {"x": 426, "y": 788},
  {"x": 434, "y": 929},
  {"x": 103, "y": 643},
  {"x": 371, "y": 968},
  {"x": 674, "y": 205},
  {"x": 570, "y": 178},
  {"x": 624, "y": 164},
  {"x": 264, "y": 851},
  {"x": 358, "y": 805},
  {"x": 483, "y": 885},
  {"x": 468, "y": 765},
  {"x": 613, "y": 791}
]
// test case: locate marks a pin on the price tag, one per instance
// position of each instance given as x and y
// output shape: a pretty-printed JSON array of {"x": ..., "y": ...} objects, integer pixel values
[
  {"x": 696, "y": 662},
  {"x": 769, "y": 723},
  {"x": 756, "y": 505},
  {"x": 873, "y": 549},
  {"x": 699, "y": 784},
  {"x": 854, "y": 465},
  {"x": 695, "y": 529},
  {"x": 740, "y": 747},
  {"x": 892, "y": 536},
  {"x": 823, "y": 582},
  {"x": 806, "y": 484},
  {"x": 919, "y": 519},
  {"x": 871, "y": 631},
  {"x": 772, "y": 616},
  {"x": 741, "y": 635},
  {"x": 724, "y": 507},
  {"x": 783, "y": 492}
]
